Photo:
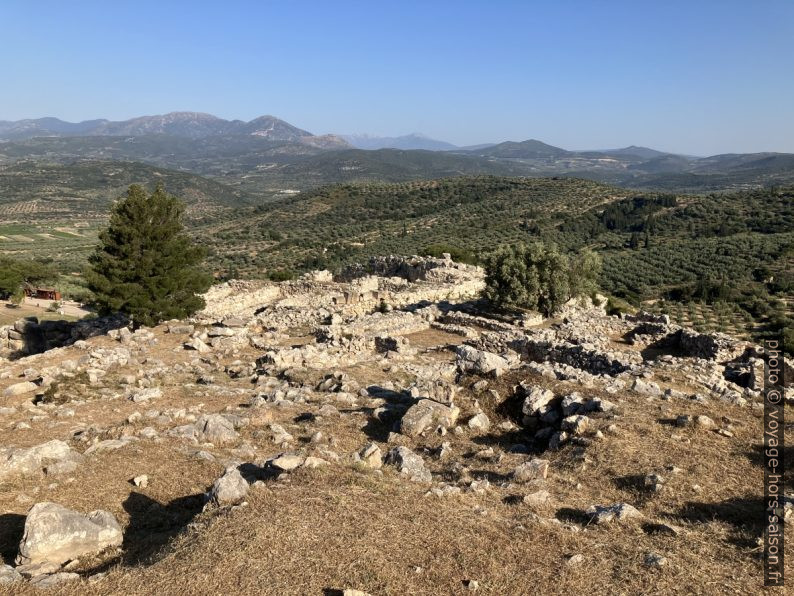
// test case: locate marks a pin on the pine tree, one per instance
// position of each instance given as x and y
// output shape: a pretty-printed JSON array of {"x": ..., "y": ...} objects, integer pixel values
[{"x": 146, "y": 266}]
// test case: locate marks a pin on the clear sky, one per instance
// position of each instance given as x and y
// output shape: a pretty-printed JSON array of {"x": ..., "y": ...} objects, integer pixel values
[{"x": 694, "y": 76}]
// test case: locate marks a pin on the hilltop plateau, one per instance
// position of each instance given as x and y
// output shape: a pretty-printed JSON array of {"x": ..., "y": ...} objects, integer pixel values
[{"x": 380, "y": 431}]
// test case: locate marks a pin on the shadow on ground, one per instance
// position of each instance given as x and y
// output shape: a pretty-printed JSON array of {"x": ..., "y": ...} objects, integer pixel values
[
  {"x": 12, "y": 526},
  {"x": 153, "y": 525},
  {"x": 744, "y": 515}
]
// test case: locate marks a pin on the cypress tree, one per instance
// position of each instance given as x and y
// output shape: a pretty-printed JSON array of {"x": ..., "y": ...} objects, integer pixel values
[{"x": 146, "y": 266}]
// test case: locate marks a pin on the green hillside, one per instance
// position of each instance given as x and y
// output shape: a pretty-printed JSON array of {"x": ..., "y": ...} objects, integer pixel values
[
  {"x": 87, "y": 188},
  {"x": 733, "y": 248},
  {"x": 337, "y": 224}
]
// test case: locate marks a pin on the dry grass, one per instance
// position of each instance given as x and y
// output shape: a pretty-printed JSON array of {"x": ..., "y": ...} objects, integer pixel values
[{"x": 339, "y": 527}]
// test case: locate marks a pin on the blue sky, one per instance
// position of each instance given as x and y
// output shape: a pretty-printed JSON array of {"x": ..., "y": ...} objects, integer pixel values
[{"x": 696, "y": 76}]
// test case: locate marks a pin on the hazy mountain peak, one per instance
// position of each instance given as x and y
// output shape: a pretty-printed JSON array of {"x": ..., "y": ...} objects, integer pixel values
[
  {"x": 413, "y": 140},
  {"x": 192, "y": 125}
]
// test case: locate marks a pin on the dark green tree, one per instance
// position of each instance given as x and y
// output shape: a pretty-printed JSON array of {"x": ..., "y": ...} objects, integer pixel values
[
  {"x": 537, "y": 276},
  {"x": 15, "y": 273},
  {"x": 146, "y": 266}
]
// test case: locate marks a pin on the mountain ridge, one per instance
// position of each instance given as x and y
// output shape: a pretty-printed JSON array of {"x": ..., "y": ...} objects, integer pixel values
[{"x": 193, "y": 125}]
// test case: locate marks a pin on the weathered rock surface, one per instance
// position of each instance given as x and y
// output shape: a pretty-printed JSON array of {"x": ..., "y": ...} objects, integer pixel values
[
  {"x": 480, "y": 362},
  {"x": 56, "y": 534},
  {"x": 427, "y": 414},
  {"x": 229, "y": 489},
  {"x": 409, "y": 464}
]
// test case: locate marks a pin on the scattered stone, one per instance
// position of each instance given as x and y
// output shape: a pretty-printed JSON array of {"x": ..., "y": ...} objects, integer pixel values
[
  {"x": 537, "y": 498},
  {"x": 215, "y": 428},
  {"x": 558, "y": 439},
  {"x": 535, "y": 469},
  {"x": 705, "y": 422},
  {"x": 472, "y": 585},
  {"x": 141, "y": 395},
  {"x": 314, "y": 462},
  {"x": 479, "y": 422},
  {"x": 230, "y": 489},
  {"x": 427, "y": 414},
  {"x": 141, "y": 481},
  {"x": 19, "y": 389},
  {"x": 623, "y": 512},
  {"x": 198, "y": 345},
  {"x": 47, "y": 581},
  {"x": 287, "y": 462},
  {"x": 653, "y": 482},
  {"x": 536, "y": 399},
  {"x": 655, "y": 560},
  {"x": 646, "y": 387},
  {"x": 576, "y": 425},
  {"x": 371, "y": 456},
  {"x": 9, "y": 575},
  {"x": 472, "y": 360},
  {"x": 409, "y": 464},
  {"x": 35, "y": 569}
]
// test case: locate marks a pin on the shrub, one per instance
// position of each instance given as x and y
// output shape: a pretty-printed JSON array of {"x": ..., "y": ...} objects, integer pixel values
[
  {"x": 459, "y": 255},
  {"x": 280, "y": 275},
  {"x": 536, "y": 276}
]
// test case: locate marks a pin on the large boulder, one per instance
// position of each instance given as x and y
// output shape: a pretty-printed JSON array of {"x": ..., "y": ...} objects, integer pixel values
[
  {"x": 214, "y": 428},
  {"x": 30, "y": 460},
  {"x": 427, "y": 414},
  {"x": 56, "y": 534},
  {"x": 472, "y": 360}
]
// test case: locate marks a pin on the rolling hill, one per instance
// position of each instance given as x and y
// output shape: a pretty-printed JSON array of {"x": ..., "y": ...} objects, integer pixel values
[
  {"x": 411, "y": 141},
  {"x": 87, "y": 188},
  {"x": 531, "y": 149}
]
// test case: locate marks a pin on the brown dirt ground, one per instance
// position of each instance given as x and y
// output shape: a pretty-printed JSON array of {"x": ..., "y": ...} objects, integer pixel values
[{"x": 315, "y": 531}]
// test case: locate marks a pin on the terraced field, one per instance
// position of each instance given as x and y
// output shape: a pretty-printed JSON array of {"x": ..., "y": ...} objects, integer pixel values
[{"x": 67, "y": 243}]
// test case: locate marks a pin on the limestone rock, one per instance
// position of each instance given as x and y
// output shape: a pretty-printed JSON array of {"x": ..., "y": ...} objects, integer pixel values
[
  {"x": 479, "y": 422},
  {"x": 198, "y": 345},
  {"x": 646, "y": 387},
  {"x": 229, "y": 489},
  {"x": 19, "y": 389},
  {"x": 602, "y": 514},
  {"x": 409, "y": 464},
  {"x": 535, "y": 400},
  {"x": 140, "y": 395},
  {"x": 472, "y": 360},
  {"x": 56, "y": 534},
  {"x": 287, "y": 462},
  {"x": 576, "y": 425},
  {"x": 535, "y": 469},
  {"x": 427, "y": 414},
  {"x": 371, "y": 455},
  {"x": 24, "y": 461},
  {"x": 9, "y": 575},
  {"x": 214, "y": 428},
  {"x": 48, "y": 581}
]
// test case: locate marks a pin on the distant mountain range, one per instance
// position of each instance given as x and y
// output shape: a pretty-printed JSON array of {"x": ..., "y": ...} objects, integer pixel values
[
  {"x": 411, "y": 141},
  {"x": 192, "y": 125},
  {"x": 267, "y": 155}
]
